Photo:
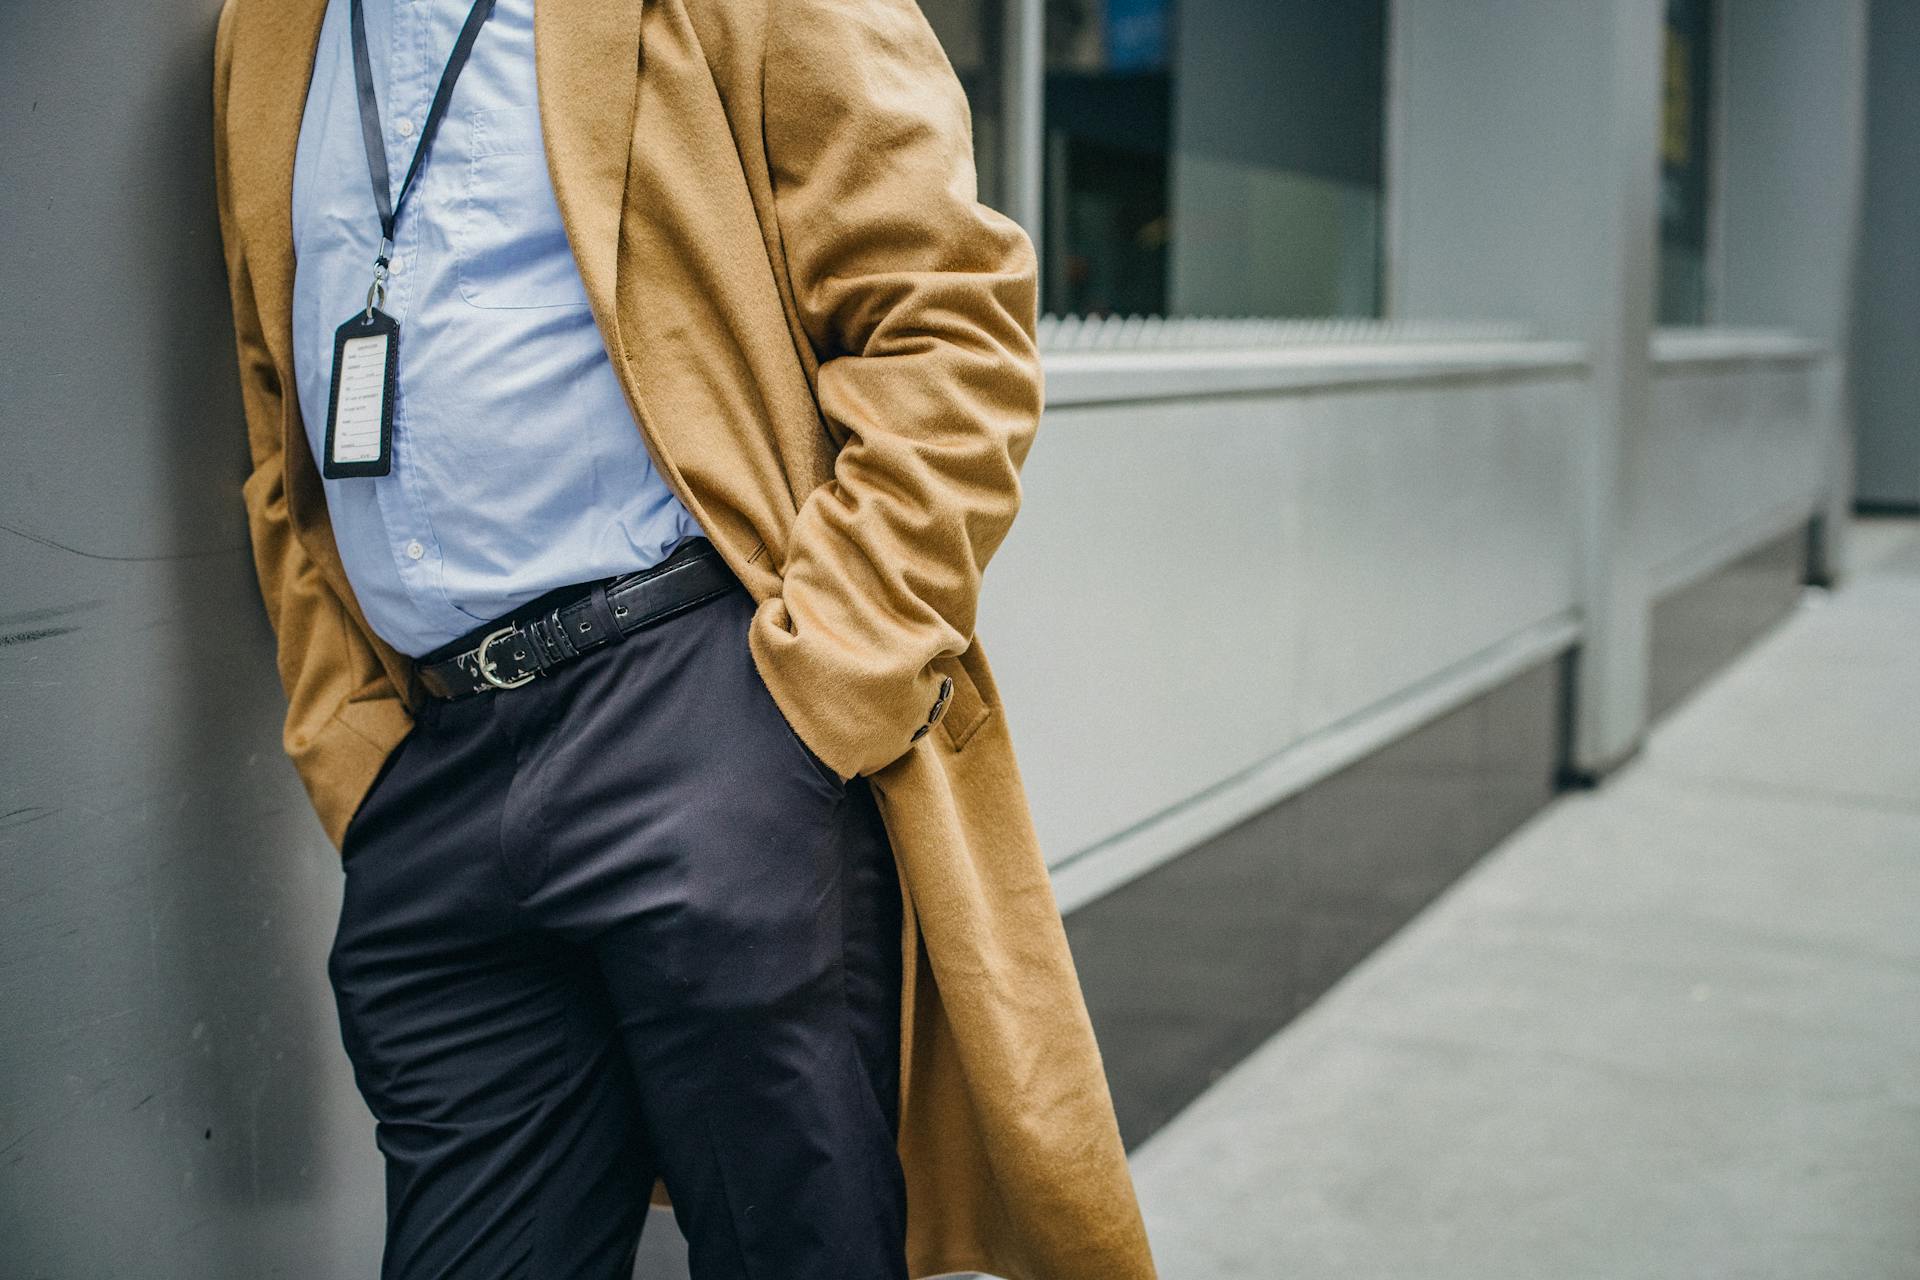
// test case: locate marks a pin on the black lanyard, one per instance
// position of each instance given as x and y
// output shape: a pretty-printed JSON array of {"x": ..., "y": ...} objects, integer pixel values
[{"x": 388, "y": 205}]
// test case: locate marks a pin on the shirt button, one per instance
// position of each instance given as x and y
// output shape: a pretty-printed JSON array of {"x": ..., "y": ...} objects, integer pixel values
[
  {"x": 415, "y": 550},
  {"x": 405, "y": 128}
]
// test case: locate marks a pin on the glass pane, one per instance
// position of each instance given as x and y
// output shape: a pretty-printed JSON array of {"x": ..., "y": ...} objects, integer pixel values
[
  {"x": 1213, "y": 157},
  {"x": 969, "y": 30},
  {"x": 1685, "y": 137}
]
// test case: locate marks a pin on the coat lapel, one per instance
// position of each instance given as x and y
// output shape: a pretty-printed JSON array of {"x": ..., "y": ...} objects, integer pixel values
[
  {"x": 586, "y": 56},
  {"x": 272, "y": 65}
]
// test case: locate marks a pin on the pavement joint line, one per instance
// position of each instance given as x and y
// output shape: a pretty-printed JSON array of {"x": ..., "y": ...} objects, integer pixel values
[
  {"x": 1787, "y": 792},
  {"x": 1612, "y": 1068},
  {"x": 1733, "y": 945}
]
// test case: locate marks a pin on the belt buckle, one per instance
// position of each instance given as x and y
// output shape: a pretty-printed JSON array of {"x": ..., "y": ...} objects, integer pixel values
[{"x": 487, "y": 671}]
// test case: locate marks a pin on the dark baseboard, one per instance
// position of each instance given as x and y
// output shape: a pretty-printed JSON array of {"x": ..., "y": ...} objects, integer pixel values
[
  {"x": 1192, "y": 966},
  {"x": 1698, "y": 629}
]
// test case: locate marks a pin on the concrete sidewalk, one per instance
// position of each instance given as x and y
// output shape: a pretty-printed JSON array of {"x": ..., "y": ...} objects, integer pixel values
[{"x": 1670, "y": 1028}]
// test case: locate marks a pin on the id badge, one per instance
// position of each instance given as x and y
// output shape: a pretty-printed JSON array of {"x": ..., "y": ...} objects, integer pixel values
[{"x": 366, "y": 358}]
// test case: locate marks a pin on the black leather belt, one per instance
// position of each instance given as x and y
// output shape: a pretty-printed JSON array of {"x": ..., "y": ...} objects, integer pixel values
[{"x": 522, "y": 647}]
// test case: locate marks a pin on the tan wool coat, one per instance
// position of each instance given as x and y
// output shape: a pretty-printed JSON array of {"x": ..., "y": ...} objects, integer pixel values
[{"x": 828, "y": 347}]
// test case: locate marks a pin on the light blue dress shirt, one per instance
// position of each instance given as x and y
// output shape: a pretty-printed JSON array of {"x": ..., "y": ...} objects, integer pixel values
[{"x": 517, "y": 464}]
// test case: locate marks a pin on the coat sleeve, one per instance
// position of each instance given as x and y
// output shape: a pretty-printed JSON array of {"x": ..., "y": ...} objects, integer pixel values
[
  {"x": 919, "y": 303},
  {"x": 341, "y": 705}
]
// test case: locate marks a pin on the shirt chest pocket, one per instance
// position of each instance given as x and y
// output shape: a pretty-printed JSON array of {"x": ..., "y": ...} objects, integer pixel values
[{"x": 509, "y": 243}]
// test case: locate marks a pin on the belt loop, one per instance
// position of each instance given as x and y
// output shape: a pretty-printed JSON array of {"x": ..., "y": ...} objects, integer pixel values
[
  {"x": 556, "y": 633},
  {"x": 601, "y": 610},
  {"x": 544, "y": 653},
  {"x": 416, "y": 697}
]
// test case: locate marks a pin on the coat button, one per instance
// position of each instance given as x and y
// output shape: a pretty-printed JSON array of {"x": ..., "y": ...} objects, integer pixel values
[
  {"x": 919, "y": 733},
  {"x": 940, "y": 703}
]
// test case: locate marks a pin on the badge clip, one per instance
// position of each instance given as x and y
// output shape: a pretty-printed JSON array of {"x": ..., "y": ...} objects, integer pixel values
[{"x": 377, "y": 291}]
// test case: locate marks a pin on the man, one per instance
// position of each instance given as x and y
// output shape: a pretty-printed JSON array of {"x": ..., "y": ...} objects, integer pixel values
[{"x": 635, "y": 393}]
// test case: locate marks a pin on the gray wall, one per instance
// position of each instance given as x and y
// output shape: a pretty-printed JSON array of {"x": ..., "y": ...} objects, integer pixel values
[
  {"x": 1793, "y": 152},
  {"x": 1522, "y": 186},
  {"x": 1790, "y": 173},
  {"x": 173, "y": 1098},
  {"x": 1886, "y": 335},
  {"x": 1501, "y": 204}
]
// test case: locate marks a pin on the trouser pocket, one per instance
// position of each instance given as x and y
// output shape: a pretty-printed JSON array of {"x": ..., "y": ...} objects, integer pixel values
[{"x": 764, "y": 696}]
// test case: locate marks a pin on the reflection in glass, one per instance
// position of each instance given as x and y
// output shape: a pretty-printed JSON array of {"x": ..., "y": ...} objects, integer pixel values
[
  {"x": 1213, "y": 157},
  {"x": 1684, "y": 139}
]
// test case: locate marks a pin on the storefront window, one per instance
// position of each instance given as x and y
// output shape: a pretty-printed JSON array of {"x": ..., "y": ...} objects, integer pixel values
[
  {"x": 1685, "y": 138},
  {"x": 970, "y": 32},
  {"x": 1213, "y": 157}
]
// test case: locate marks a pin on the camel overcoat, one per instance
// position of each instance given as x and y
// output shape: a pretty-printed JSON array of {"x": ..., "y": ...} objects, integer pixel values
[{"x": 828, "y": 347}]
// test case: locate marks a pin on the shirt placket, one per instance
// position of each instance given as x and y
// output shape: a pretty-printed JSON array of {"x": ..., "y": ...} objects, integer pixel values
[{"x": 415, "y": 551}]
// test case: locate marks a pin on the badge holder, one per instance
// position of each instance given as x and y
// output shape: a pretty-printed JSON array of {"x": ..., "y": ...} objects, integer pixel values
[{"x": 366, "y": 362}]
